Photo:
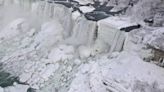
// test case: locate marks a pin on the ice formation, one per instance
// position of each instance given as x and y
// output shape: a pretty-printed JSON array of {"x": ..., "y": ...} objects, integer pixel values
[{"x": 50, "y": 47}]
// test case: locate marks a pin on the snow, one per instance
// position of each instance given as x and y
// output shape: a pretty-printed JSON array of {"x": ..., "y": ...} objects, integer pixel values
[
  {"x": 155, "y": 39},
  {"x": 75, "y": 15},
  {"x": 84, "y": 1},
  {"x": 86, "y": 9},
  {"x": 122, "y": 22},
  {"x": 99, "y": 47},
  {"x": 13, "y": 29},
  {"x": 49, "y": 71},
  {"x": 119, "y": 74},
  {"x": 49, "y": 30},
  {"x": 1, "y": 89},
  {"x": 63, "y": 52},
  {"x": 17, "y": 88},
  {"x": 84, "y": 52}
]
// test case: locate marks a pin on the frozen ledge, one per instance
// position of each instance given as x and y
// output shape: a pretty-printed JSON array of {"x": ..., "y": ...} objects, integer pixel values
[{"x": 117, "y": 22}]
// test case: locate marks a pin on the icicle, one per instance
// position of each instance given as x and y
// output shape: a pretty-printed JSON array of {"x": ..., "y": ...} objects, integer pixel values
[{"x": 118, "y": 42}]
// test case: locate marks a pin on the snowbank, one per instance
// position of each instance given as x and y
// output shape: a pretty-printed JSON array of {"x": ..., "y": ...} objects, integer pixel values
[{"x": 126, "y": 73}]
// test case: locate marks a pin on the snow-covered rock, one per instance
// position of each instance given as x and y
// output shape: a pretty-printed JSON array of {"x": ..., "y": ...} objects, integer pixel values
[
  {"x": 155, "y": 39},
  {"x": 86, "y": 9},
  {"x": 16, "y": 88}
]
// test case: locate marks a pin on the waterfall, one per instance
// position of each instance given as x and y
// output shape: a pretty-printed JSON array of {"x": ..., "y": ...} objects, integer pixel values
[
  {"x": 83, "y": 32},
  {"x": 25, "y": 4},
  {"x": 57, "y": 12}
]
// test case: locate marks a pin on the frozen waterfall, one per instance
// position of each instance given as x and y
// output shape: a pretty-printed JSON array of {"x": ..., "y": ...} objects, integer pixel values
[{"x": 50, "y": 47}]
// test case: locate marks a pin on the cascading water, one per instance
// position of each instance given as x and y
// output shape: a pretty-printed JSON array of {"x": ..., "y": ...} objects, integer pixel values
[{"x": 83, "y": 32}]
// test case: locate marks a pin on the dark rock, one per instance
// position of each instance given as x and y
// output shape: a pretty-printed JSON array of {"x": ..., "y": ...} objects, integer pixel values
[
  {"x": 31, "y": 90},
  {"x": 149, "y": 21},
  {"x": 6, "y": 79},
  {"x": 96, "y": 16},
  {"x": 67, "y": 4},
  {"x": 130, "y": 28}
]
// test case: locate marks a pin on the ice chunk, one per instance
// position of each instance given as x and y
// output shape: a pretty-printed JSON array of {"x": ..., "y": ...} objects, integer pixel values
[
  {"x": 50, "y": 69},
  {"x": 84, "y": 52},
  {"x": 63, "y": 52}
]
